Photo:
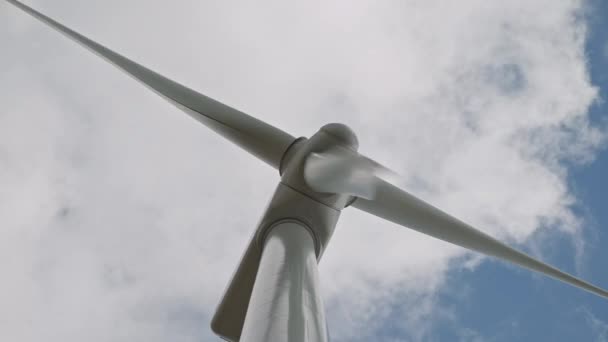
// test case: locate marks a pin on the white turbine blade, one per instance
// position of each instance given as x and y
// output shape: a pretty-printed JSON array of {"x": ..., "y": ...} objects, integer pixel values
[
  {"x": 264, "y": 141},
  {"x": 340, "y": 170},
  {"x": 400, "y": 207},
  {"x": 336, "y": 172}
]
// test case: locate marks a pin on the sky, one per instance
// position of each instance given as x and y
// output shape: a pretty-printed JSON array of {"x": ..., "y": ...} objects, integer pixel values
[{"x": 122, "y": 219}]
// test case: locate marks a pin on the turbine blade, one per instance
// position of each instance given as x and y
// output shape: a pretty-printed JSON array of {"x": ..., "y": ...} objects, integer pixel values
[
  {"x": 340, "y": 170},
  {"x": 344, "y": 171},
  {"x": 400, "y": 207},
  {"x": 264, "y": 141}
]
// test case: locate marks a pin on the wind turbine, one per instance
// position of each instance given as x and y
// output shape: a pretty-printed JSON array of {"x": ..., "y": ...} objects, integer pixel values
[{"x": 274, "y": 293}]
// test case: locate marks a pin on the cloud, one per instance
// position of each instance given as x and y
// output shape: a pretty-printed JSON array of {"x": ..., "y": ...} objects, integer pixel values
[
  {"x": 122, "y": 219},
  {"x": 597, "y": 326}
]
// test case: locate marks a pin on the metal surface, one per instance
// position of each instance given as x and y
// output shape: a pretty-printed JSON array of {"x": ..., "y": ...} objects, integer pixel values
[
  {"x": 329, "y": 137},
  {"x": 264, "y": 141},
  {"x": 286, "y": 204},
  {"x": 286, "y": 303},
  {"x": 340, "y": 170},
  {"x": 293, "y": 200}
]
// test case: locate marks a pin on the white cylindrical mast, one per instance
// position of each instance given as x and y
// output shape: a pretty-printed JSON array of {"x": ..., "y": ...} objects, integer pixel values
[{"x": 286, "y": 303}]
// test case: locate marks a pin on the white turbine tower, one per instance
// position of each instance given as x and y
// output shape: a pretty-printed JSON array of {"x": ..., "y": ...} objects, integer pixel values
[{"x": 274, "y": 293}]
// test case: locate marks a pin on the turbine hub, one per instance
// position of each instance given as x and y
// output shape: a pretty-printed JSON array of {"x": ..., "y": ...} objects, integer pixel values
[{"x": 342, "y": 133}]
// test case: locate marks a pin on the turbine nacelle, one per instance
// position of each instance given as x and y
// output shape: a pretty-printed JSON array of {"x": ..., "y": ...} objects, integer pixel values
[
  {"x": 328, "y": 168},
  {"x": 335, "y": 139},
  {"x": 342, "y": 133}
]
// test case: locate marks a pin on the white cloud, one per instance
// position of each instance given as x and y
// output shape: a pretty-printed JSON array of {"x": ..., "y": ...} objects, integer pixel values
[
  {"x": 597, "y": 326},
  {"x": 118, "y": 212}
]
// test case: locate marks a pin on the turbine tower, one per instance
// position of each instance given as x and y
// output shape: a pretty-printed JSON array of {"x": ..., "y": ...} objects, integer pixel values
[{"x": 274, "y": 293}]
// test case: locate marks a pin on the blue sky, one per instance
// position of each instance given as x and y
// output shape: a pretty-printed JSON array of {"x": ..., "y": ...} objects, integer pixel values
[
  {"x": 116, "y": 225},
  {"x": 504, "y": 303}
]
